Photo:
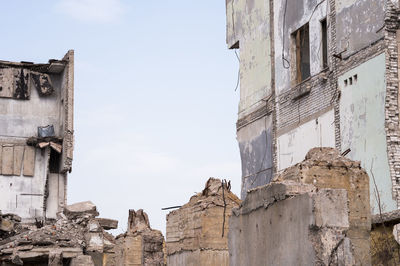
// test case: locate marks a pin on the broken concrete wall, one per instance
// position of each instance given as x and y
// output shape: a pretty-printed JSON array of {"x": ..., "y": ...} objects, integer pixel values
[
  {"x": 318, "y": 209},
  {"x": 197, "y": 232},
  {"x": 140, "y": 245},
  {"x": 362, "y": 125},
  {"x": 44, "y": 96}
]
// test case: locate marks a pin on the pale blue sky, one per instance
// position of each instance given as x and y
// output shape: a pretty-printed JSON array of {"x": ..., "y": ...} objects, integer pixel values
[{"x": 155, "y": 106}]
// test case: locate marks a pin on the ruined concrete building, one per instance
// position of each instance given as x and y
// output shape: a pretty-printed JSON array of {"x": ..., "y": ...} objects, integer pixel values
[
  {"x": 318, "y": 73},
  {"x": 36, "y": 136}
]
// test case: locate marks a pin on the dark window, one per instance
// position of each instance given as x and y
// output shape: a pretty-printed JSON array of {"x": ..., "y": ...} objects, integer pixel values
[
  {"x": 324, "y": 36},
  {"x": 302, "y": 41},
  {"x": 54, "y": 163}
]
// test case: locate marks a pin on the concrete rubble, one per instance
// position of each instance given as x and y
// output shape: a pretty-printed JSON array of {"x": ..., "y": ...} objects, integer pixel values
[
  {"x": 197, "y": 232},
  {"x": 79, "y": 238},
  {"x": 9, "y": 225},
  {"x": 74, "y": 239},
  {"x": 318, "y": 210}
]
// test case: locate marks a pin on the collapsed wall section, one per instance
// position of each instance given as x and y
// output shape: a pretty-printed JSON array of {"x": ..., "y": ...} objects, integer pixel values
[
  {"x": 197, "y": 232},
  {"x": 318, "y": 209}
]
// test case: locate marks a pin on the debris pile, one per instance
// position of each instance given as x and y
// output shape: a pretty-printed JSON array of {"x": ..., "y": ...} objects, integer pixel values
[
  {"x": 76, "y": 238},
  {"x": 9, "y": 225},
  {"x": 197, "y": 232}
]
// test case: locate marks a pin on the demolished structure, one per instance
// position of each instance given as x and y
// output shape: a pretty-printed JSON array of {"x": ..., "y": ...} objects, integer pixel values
[
  {"x": 79, "y": 238},
  {"x": 76, "y": 238},
  {"x": 197, "y": 233},
  {"x": 318, "y": 74},
  {"x": 36, "y": 152},
  {"x": 36, "y": 136},
  {"x": 318, "y": 209}
]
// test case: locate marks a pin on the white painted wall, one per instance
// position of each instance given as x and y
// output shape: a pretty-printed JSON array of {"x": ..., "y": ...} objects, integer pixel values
[
  {"x": 293, "y": 146},
  {"x": 12, "y": 189}
]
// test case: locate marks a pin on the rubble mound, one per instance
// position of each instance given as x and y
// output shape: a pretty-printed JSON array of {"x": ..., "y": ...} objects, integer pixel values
[{"x": 68, "y": 241}]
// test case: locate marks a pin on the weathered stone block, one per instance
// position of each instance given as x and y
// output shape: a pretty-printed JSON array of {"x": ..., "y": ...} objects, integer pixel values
[
  {"x": 107, "y": 224},
  {"x": 80, "y": 209}
]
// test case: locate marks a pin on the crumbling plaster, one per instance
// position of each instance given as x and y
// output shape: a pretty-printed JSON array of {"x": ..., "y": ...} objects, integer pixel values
[
  {"x": 360, "y": 23},
  {"x": 294, "y": 145},
  {"x": 248, "y": 24},
  {"x": 255, "y": 143},
  {"x": 20, "y": 118}
]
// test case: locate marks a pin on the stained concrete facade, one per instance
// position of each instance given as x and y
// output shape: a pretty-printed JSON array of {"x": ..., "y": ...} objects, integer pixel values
[
  {"x": 318, "y": 74},
  {"x": 33, "y": 168}
]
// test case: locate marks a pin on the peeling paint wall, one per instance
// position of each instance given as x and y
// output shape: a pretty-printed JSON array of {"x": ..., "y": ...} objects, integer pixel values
[
  {"x": 357, "y": 32},
  {"x": 362, "y": 123},
  {"x": 39, "y": 194},
  {"x": 248, "y": 22},
  {"x": 298, "y": 13},
  {"x": 255, "y": 143},
  {"x": 248, "y": 28},
  {"x": 293, "y": 146},
  {"x": 359, "y": 23}
]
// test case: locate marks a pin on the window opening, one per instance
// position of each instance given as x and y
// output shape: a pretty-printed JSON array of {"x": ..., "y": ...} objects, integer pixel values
[
  {"x": 302, "y": 41},
  {"x": 324, "y": 36},
  {"x": 54, "y": 163}
]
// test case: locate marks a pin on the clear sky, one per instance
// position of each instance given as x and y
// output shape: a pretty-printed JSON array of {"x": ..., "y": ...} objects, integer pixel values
[{"x": 155, "y": 106}]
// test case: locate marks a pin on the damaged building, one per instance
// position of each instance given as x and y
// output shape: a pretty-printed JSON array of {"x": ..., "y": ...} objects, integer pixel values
[
  {"x": 36, "y": 136},
  {"x": 318, "y": 73}
]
